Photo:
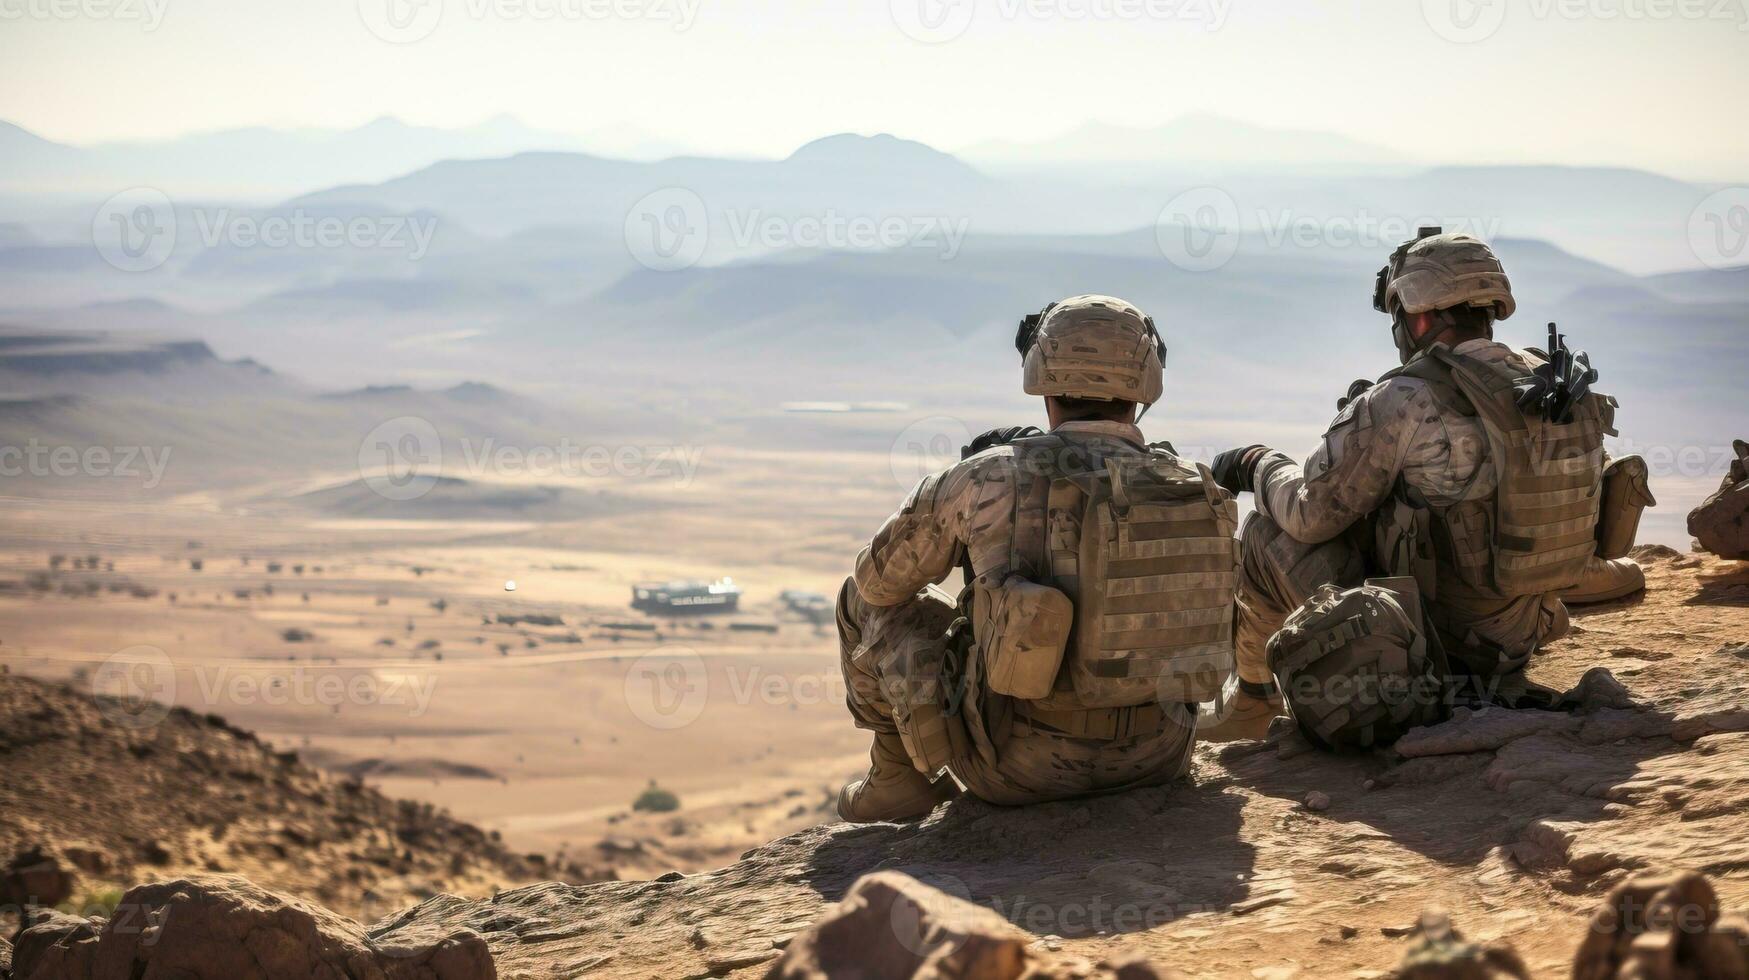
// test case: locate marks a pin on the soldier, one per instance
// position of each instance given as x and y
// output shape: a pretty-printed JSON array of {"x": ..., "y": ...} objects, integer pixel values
[
  {"x": 1438, "y": 474},
  {"x": 1101, "y": 576}
]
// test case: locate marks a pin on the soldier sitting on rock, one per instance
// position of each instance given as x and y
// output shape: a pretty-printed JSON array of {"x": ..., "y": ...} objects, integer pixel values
[
  {"x": 1473, "y": 473},
  {"x": 1100, "y": 599}
]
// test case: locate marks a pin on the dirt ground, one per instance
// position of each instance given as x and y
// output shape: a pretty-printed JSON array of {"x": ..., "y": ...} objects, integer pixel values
[{"x": 402, "y": 672}]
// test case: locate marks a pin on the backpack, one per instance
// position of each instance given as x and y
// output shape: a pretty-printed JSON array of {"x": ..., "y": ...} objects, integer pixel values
[
  {"x": 1357, "y": 668},
  {"x": 1539, "y": 530},
  {"x": 1144, "y": 546}
]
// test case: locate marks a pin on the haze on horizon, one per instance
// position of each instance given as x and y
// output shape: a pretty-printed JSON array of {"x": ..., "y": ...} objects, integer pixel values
[{"x": 1635, "y": 83}]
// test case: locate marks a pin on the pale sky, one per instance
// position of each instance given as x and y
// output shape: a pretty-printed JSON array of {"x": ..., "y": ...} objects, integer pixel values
[{"x": 1649, "y": 83}]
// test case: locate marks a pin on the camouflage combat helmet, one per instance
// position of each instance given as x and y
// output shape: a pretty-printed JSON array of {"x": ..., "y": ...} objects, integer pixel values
[
  {"x": 1355, "y": 668},
  {"x": 1096, "y": 347},
  {"x": 1439, "y": 271}
]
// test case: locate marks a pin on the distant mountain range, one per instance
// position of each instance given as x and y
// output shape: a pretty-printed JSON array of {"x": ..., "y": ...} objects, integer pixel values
[
  {"x": 1192, "y": 142},
  {"x": 264, "y": 163}
]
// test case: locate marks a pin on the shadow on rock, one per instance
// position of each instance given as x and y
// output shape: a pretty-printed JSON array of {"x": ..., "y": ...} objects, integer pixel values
[
  {"x": 1106, "y": 865},
  {"x": 1486, "y": 779}
]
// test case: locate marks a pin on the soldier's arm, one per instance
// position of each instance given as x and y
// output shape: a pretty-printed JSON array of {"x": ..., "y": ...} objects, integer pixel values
[
  {"x": 1354, "y": 470},
  {"x": 921, "y": 544}
]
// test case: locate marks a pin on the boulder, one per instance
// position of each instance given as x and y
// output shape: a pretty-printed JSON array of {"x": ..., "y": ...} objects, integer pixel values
[
  {"x": 1665, "y": 927},
  {"x": 36, "y": 876},
  {"x": 53, "y": 944},
  {"x": 225, "y": 928},
  {"x": 891, "y": 925},
  {"x": 1439, "y": 952},
  {"x": 1721, "y": 524}
]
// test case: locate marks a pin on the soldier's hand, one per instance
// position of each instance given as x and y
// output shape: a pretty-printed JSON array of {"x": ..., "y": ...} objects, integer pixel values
[
  {"x": 999, "y": 437},
  {"x": 1235, "y": 469}
]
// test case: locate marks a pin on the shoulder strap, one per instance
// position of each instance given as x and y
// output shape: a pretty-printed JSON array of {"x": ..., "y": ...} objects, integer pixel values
[{"x": 1037, "y": 464}]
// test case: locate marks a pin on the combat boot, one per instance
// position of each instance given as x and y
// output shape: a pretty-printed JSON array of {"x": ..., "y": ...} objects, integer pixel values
[
  {"x": 1605, "y": 581},
  {"x": 1248, "y": 715},
  {"x": 893, "y": 791}
]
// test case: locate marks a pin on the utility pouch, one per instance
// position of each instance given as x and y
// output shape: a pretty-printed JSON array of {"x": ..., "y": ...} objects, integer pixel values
[
  {"x": 1023, "y": 631},
  {"x": 1627, "y": 492}
]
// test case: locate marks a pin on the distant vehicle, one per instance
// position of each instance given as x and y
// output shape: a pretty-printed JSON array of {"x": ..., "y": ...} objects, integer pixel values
[
  {"x": 676, "y": 598},
  {"x": 811, "y": 605}
]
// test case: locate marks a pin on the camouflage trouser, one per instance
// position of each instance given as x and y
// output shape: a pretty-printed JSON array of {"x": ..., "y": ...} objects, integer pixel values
[
  {"x": 1278, "y": 574},
  {"x": 1484, "y": 635},
  {"x": 892, "y": 659}
]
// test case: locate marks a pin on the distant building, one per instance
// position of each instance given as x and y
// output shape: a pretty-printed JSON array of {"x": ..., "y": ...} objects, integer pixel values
[{"x": 676, "y": 598}]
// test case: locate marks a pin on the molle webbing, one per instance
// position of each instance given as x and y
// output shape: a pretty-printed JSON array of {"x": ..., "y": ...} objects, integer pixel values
[
  {"x": 1144, "y": 546},
  {"x": 1547, "y": 501}
]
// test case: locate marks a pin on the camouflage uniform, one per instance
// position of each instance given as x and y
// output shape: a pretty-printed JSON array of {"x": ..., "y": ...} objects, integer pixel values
[
  {"x": 891, "y": 625},
  {"x": 1311, "y": 527}
]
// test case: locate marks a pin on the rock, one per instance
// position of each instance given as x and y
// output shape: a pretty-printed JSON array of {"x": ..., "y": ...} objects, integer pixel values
[
  {"x": 36, "y": 876},
  {"x": 891, "y": 925},
  {"x": 1721, "y": 523},
  {"x": 1599, "y": 689},
  {"x": 1439, "y": 952},
  {"x": 52, "y": 944},
  {"x": 1662, "y": 928},
  {"x": 225, "y": 928},
  {"x": 1133, "y": 967},
  {"x": 1316, "y": 802},
  {"x": 1654, "y": 552},
  {"x": 1480, "y": 730},
  {"x": 90, "y": 860}
]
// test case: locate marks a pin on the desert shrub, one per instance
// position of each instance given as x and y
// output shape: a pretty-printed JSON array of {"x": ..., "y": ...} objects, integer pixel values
[
  {"x": 96, "y": 902},
  {"x": 655, "y": 799}
]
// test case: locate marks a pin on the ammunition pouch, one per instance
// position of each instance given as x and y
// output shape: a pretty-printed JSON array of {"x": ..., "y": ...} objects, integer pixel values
[
  {"x": 1023, "y": 631},
  {"x": 1627, "y": 493},
  {"x": 1403, "y": 544}
]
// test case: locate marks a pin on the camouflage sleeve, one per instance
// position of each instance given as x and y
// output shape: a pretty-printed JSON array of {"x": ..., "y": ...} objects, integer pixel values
[
  {"x": 921, "y": 544},
  {"x": 1354, "y": 471}
]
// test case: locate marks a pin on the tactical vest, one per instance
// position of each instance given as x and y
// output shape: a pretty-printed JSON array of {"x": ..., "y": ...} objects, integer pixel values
[
  {"x": 1144, "y": 546},
  {"x": 1534, "y": 529}
]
